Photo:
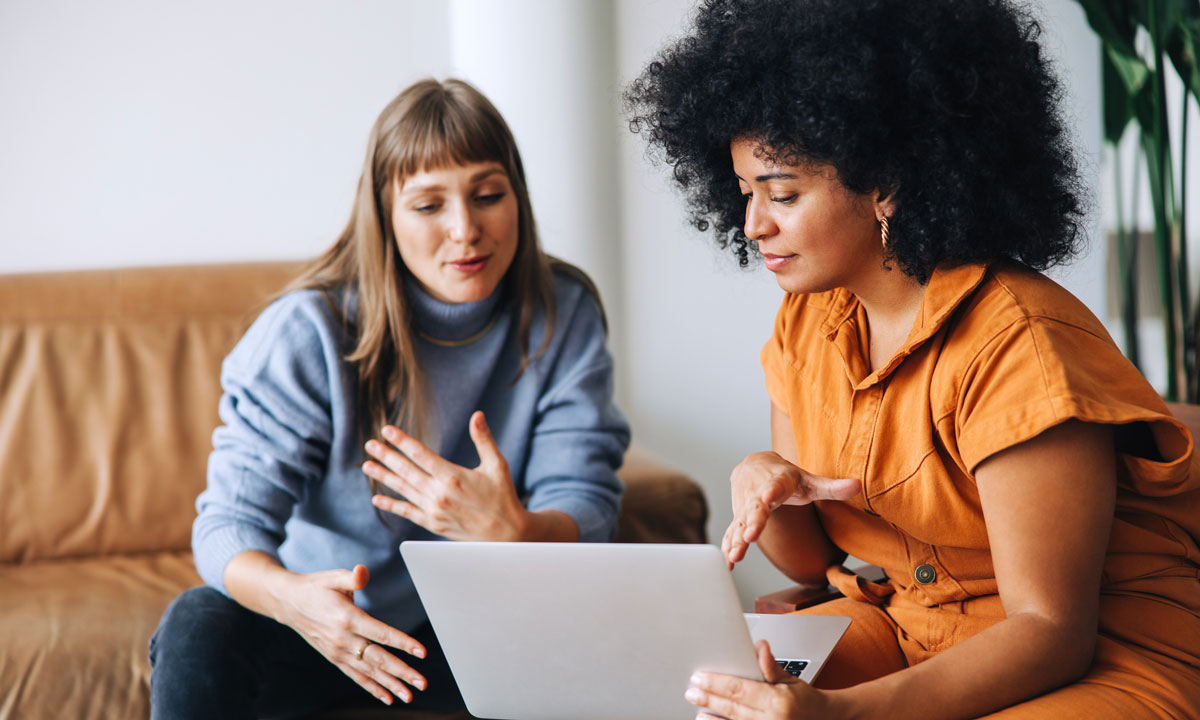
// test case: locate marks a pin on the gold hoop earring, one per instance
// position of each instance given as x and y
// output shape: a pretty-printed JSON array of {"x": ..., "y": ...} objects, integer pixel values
[{"x": 884, "y": 232}]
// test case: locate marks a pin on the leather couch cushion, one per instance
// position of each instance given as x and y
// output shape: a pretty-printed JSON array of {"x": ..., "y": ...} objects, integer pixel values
[
  {"x": 661, "y": 504},
  {"x": 76, "y": 634},
  {"x": 110, "y": 383}
]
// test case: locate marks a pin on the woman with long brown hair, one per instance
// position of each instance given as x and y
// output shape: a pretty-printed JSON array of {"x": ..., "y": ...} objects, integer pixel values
[{"x": 433, "y": 375}]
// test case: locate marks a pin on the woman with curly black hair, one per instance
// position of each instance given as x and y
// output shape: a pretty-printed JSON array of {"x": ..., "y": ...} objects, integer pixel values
[{"x": 938, "y": 406}]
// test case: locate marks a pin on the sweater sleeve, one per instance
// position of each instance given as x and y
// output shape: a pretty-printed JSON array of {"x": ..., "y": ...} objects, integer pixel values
[
  {"x": 579, "y": 436},
  {"x": 274, "y": 440}
]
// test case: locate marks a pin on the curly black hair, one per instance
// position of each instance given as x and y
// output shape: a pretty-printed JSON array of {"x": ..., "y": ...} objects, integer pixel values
[{"x": 951, "y": 105}]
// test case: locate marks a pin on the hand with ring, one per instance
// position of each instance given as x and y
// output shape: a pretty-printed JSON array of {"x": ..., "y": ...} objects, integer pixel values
[{"x": 320, "y": 607}]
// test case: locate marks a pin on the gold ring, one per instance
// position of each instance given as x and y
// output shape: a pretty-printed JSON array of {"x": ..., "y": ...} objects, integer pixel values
[{"x": 363, "y": 649}]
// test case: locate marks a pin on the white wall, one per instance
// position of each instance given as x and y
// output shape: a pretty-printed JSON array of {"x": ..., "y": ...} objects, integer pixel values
[
  {"x": 136, "y": 132},
  {"x": 1077, "y": 54},
  {"x": 140, "y": 132}
]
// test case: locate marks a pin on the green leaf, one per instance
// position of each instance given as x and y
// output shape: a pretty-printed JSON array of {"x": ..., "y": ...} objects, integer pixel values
[
  {"x": 1132, "y": 70},
  {"x": 1183, "y": 47},
  {"x": 1118, "y": 101},
  {"x": 1113, "y": 21},
  {"x": 1175, "y": 12}
]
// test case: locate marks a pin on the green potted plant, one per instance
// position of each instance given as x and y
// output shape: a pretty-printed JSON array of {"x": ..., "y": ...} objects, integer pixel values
[{"x": 1137, "y": 38}]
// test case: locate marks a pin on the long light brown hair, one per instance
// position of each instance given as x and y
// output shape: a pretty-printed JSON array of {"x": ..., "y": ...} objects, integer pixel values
[{"x": 429, "y": 125}]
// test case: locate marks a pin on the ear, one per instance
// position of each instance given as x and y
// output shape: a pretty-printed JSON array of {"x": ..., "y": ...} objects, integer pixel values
[{"x": 884, "y": 203}]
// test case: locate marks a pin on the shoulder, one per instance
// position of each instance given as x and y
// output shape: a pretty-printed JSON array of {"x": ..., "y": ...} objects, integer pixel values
[
  {"x": 1017, "y": 315},
  {"x": 1024, "y": 355},
  {"x": 299, "y": 327},
  {"x": 576, "y": 300},
  {"x": 578, "y": 329},
  {"x": 572, "y": 285},
  {"x": 796, "y": 339},
  {"x": 1011, "y": 294}
]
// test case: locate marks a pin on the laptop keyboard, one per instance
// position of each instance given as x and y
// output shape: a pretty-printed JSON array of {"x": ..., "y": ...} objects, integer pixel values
[{"x": 793, "y": 667}]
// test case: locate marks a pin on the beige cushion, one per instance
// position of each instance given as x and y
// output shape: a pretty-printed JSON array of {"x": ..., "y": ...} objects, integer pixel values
[
  {"x": 76, "y": 634},
  {"x": 110, "y": 384},
  {"x": 660, "y": 504}
]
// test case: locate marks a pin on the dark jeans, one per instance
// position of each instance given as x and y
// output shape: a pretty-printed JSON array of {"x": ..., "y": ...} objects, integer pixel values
[{"x": 213, "y": 658}]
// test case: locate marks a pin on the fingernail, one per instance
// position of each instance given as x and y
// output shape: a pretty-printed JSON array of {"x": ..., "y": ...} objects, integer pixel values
[
  {"x": 418, "y": 652},
  {"x": 693, "y": 695},
  {"x": 419, "y": 684},
  {"x": 372, "y": 446},
  {"x": 389, "y": 432},
  {"x": 695, "y": 679},
  {"x": 385, "y": 700}
]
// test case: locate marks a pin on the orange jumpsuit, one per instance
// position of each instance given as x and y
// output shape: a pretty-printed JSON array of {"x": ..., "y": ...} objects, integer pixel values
[{"x": 996, "y": 356}]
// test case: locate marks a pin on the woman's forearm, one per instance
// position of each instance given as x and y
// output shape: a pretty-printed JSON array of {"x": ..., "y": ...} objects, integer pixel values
[
  {"x": 797, "y": 545},
  {"x": 1019, "y": 658},
  {"x": 548, "y": 526},
  {"x": 256, "y": 581}
]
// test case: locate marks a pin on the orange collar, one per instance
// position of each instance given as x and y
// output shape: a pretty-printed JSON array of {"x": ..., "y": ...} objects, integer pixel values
[{"x": 946, "y": 290}]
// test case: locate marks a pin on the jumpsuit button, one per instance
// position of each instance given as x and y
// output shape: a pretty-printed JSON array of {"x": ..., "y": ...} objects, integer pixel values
[{"x": 925, "y": 574}]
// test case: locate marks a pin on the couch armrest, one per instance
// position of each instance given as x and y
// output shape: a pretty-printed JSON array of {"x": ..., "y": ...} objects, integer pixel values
[
  {"x": 804, "y": 595},
  {"x": 794, "y": 598},
  {"x": 661, "y": 504}
]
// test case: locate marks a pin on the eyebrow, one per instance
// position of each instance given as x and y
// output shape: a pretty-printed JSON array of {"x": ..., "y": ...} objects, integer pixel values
[
  {"x": 771, "y": 176},
  {"x": 486, "y": 172}
]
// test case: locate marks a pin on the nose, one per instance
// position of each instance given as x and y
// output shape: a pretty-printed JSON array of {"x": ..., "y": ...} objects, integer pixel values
[
  {"x": 759, "y": 225},
  {"x": 463, "y": 226}
]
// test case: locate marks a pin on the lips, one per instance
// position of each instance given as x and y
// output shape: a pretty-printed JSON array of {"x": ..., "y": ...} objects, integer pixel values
[
  {"x": 471, "y": 264},
  {"x": 775, "y": 263}
]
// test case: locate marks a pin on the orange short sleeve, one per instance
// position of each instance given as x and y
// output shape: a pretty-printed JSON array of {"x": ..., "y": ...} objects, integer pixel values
[{"x": 1041, "y": 371}]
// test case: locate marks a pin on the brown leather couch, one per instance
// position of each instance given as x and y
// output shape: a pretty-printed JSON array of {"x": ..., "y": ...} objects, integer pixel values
[{"x": 108, "y": 399}]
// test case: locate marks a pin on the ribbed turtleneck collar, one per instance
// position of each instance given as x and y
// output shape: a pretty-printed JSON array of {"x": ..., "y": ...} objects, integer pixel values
[{"x": 449, "y": 321}]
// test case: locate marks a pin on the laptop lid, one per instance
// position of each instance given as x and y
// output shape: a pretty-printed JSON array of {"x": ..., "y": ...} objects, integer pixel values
[{"x": 546, "y": 631}]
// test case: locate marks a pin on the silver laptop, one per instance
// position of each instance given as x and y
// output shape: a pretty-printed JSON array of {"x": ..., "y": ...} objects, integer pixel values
[{"x": 583, "y": 631}]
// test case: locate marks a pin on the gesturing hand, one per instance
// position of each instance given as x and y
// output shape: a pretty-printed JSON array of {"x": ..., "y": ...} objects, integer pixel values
[
  {"x": 779, "y": 698},
  {"x": 444, "y": 498},
  {"x": 760, "y": 484},
  {"x": 320, "y": 607}
]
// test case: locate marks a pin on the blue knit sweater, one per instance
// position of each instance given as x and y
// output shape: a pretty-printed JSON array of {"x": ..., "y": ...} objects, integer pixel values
[{"x": 285, "y": 473}]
